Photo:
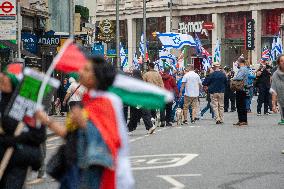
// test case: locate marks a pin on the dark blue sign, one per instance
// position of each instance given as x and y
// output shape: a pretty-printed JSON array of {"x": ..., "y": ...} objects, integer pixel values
[
  {"x": 30, "y": 42},
  {"x": 98, "y": 49}
]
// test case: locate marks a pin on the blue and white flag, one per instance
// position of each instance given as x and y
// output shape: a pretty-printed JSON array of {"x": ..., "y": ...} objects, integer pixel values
[
  {"x": 198, "y": 45},
  {"x": 142, "y": 49},
  {"x": 273, "y": 50},
  {"x": 168, "y": 57},
  {"x": 217, "y": 52},
  {"x": 175, "y": 40},
  {"x": 135, "y": 62},
  {"x": 279, "y": 46},
  {"x": 206, "y": 63},
  {"x": 123, "y": 58}
]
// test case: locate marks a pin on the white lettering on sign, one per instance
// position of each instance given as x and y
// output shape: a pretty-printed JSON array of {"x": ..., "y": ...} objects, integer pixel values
[
  {"x": 107, "y": 26},
  {"x": 22, "y": 107},
  {"x": 192, "y": 27},
  {"x": 147, "y": 162}
]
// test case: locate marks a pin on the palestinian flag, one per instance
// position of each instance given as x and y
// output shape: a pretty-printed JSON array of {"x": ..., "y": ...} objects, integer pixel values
[
  {"x": 135, "y": 92},
  {"x": 70, "y": 58},
  {"x": 104, "y": 111}
]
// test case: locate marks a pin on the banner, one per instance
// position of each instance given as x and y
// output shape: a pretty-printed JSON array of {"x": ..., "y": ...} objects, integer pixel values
[
  {"x": 23, "y": 103},
  {"x": 249, "y": 35}
]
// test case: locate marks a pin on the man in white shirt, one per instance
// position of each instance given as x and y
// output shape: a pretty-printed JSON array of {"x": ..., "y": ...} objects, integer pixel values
[
  {"x": 192, "y": 83},
  {"x": 74, "y": 93}
]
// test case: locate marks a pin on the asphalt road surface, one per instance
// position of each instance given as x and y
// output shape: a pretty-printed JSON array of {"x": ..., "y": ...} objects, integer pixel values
[{"x": 204, "y": 155}]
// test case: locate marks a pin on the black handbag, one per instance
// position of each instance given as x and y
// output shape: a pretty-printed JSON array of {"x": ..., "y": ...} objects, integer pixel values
[{"x": 56, "y": 166}]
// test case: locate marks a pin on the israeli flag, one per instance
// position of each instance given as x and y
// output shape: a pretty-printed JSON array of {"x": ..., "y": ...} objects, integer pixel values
[
  {"x": 175, "y": 40},
  {"x": 217, "y": 50},
  {"x": 135, "y": 61},
  {"x": 168, "y": 57},
  {"x": 279, "y": 46},
  {"x": 123, "y": 57},
  {"x": 206, "y": 63},
  {"x": 142, "y": 50},
  {"x": 273, "y": 50}
]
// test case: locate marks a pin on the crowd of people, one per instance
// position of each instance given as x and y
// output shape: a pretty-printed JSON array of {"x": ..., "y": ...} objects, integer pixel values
[
  {"x": 95, "y": 153},
  {"x": 225, "y": 91}
]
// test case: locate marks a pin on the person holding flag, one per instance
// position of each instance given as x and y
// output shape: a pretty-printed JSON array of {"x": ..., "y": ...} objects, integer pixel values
[
  {"x": 101, "y": 156},
  {"x": 26, "y": 145}
]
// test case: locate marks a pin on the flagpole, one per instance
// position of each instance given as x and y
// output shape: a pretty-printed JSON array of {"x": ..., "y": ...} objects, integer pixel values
[
  {"x": 145, "y": 36},
  {"x": 117, "y": 36},
  {"x": 48, "y": 74}
]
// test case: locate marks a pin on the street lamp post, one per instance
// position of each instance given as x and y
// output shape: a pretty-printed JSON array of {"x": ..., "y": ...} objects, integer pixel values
[
  {"x": 171, "y": 15},
  {"x": 145, "y": 35},
  {"x": 71, "y": 19},
  {"x": 117, "y": 36}
]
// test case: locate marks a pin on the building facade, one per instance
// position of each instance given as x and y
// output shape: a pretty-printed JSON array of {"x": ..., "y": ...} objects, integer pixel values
[{"x": 227, "y": 16}]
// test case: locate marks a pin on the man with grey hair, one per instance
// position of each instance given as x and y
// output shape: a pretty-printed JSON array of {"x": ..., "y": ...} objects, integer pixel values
[{"x": 192, "y": 83}]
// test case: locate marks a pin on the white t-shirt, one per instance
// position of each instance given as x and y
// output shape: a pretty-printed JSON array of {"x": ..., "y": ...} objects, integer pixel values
[
  {"x": 77, "y": 96},
  {"x": 192, "y": 84}
]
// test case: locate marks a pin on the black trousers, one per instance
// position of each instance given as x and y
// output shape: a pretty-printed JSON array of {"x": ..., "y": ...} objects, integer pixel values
[
  {"x": 136, "y": 115},
  {"x": 230, "y": 96},
  {"x": 263, "y": 98},
  {"x": 166, "y": 113},
  {"x": 241, "y": 106}
]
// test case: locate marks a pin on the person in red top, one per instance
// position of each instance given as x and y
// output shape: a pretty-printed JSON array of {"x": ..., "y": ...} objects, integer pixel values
[{"x": 169, "y": 84}]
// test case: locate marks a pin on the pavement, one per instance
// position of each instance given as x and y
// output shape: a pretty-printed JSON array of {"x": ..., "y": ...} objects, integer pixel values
[{"x": 203, "y": 155}]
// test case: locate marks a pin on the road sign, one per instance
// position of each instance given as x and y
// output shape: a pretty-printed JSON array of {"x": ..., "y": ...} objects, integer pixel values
[
  {"x": 8, "y": 29},
  {"x": 208, "y": 25},
  {"x": 7, "y": 7}
]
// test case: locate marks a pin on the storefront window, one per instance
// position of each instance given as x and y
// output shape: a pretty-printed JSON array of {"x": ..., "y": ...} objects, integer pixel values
[
  {"x": 271, "y": 22},
  {"x": 235, "y": 24}
]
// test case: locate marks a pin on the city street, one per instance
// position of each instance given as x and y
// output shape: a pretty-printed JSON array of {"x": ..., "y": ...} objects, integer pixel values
[{"x": 205, "y": 155}]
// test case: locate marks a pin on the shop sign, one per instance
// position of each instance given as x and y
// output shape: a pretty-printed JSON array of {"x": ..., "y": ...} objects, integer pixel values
[
  {"x": 7, "y": 7},
  {"x": 106, "y": 31},
  {"x": 98, "y": 49},
  {"x": 8, "y": 30},
  {"x": 30, "y": 42},
  {"x": 49, "y": 40},
  {"x": 249, "y": 34},
  {"x": 192, "y": 27}
]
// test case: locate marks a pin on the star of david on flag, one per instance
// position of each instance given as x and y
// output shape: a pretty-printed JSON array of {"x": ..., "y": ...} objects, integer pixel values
[
  {"x": 279, "y": 46},
  {"x": 123, "y": 57},
  {"x": 175, "y": 40}
]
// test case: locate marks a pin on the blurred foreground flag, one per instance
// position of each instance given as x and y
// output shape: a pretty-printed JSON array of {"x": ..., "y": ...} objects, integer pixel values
[
  {"x": 70, "y": 58},
  {"x": 138, "y": 93}
]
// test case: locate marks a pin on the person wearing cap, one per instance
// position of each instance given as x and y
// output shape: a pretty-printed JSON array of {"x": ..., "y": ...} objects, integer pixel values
[{"x": 216, "y": 83}]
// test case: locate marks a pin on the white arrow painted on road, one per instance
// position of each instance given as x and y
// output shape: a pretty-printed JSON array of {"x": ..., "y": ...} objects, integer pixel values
[{"x": 176, "y": 184}]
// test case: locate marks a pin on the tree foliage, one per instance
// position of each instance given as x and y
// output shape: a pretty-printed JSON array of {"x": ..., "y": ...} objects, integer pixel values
[{"x": 84, "y": 11}]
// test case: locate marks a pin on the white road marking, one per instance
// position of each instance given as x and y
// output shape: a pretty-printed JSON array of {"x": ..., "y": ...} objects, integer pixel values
[
  {"x": 176, "y": 184},
  {"x": 147, "y": 162}
]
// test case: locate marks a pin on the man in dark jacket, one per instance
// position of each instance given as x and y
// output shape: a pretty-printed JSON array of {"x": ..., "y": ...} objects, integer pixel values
[
  {"x": 169, "y": 84},
  {"x": 216, "y": 83},
  {"x": 263, "y": 83}
]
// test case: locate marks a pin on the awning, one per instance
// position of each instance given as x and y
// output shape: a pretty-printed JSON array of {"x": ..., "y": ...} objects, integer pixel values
[{"x": 14, "y": 47}]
